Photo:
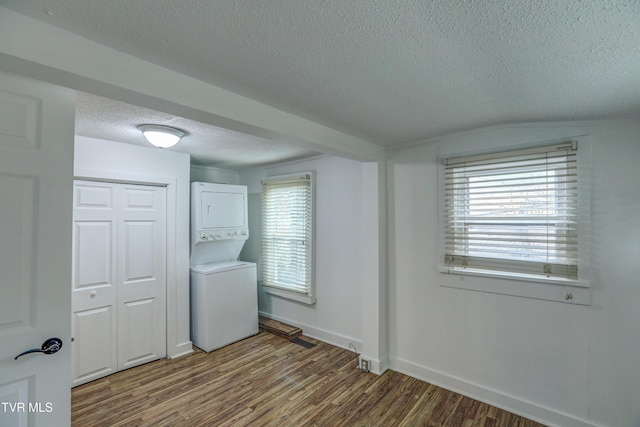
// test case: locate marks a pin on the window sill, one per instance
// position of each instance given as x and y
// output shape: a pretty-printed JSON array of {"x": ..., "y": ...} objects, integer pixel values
[
  {"x": 295, "y": 296},
  {"x": 566, "y": 291}
]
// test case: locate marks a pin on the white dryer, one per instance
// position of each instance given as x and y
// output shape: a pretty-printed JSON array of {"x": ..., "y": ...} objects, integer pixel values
[{"x": 224, "y": 303}]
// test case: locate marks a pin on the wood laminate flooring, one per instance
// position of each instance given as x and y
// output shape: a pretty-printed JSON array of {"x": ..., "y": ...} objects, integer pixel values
[{"x": 266, "y": 380}]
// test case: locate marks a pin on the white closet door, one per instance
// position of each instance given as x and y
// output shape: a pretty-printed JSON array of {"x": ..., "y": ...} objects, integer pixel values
[
  {"x": 93, "y": 301},
  {"x": 119, "y": 281},
  {"x": 142, "y": 276}
]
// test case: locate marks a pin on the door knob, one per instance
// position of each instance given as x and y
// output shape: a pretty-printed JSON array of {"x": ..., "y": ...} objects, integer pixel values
[{"x": 50, "y": 346}]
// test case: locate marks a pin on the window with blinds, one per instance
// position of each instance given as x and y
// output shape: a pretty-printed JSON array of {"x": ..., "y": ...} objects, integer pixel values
[
  {"x": 287, "y": 235},
  {"x": 513, "y": 213}
]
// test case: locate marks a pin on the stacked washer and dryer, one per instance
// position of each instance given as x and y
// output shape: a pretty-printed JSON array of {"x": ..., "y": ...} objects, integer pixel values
[{"x": 224, "y": 296}]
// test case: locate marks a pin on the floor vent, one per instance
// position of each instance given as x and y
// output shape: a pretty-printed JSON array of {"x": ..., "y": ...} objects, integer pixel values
[{"x": 305, "y": 344}]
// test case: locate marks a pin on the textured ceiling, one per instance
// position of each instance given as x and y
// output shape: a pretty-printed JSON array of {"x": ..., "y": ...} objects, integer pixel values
[
  {"x": 387, "y": 71},
  {"x": 104, "y": 118}
]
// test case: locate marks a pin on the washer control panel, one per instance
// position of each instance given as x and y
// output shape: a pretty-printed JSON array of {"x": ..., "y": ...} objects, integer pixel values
[{"x": 223, "y": 234}]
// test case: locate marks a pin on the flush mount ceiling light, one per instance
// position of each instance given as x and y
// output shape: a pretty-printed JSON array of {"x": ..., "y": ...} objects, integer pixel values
[{"x": 162, "y": 136}]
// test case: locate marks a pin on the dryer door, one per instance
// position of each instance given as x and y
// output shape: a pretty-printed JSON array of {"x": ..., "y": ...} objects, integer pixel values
[{"x": 222, "y": 210}]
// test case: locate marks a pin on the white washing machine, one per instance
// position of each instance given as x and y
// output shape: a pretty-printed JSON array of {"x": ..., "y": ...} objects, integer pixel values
[{"x": 224, "y": 303}]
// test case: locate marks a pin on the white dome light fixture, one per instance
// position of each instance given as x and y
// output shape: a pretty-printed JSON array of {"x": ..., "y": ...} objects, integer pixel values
[{"x": 161, "y": 136}]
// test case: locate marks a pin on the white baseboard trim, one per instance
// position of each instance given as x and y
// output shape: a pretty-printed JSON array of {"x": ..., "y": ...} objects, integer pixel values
[
  {"x": 323, "y": 335},
  {"x": 376, "y": 366},
  {"x": 530, "y": 410},
  {"x": 181, "y": 350},
  {"x": 383, "y": 366}
]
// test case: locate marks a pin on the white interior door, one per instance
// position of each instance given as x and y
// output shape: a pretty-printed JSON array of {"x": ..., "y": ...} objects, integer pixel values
[
  {"x": 142, "y": 261},
  {"x": 36, "y": 172},
  {"x": 119, "y": 280},
  {"x": 94, "y": 298}
]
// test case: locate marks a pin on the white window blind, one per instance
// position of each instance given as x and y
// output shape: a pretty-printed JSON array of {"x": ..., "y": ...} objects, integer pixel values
[
  {"x": 513, "y": 213},
  {"x": 287, "y": 233}
]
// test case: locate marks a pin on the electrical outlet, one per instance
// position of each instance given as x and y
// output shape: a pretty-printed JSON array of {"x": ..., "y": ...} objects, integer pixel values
[{"x": 364, "y": 365}]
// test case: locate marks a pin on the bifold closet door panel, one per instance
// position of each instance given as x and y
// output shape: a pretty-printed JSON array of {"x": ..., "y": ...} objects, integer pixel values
[
  {"x": 94, "y": 281},
  {"x": 141, "y": 276}
]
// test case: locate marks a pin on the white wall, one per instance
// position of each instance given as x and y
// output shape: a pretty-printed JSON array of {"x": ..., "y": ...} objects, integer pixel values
[
  {"x": 558, "y": 363},
  {"x": 100, "y": 159},
  {"x": 337, "y": 315},
  {"x": 212, "y": 174}
]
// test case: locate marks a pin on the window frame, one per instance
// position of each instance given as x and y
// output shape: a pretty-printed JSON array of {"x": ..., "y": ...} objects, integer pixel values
[
  {"x": 518, "y": 284},
  {"x": 307, "y": 297}
]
